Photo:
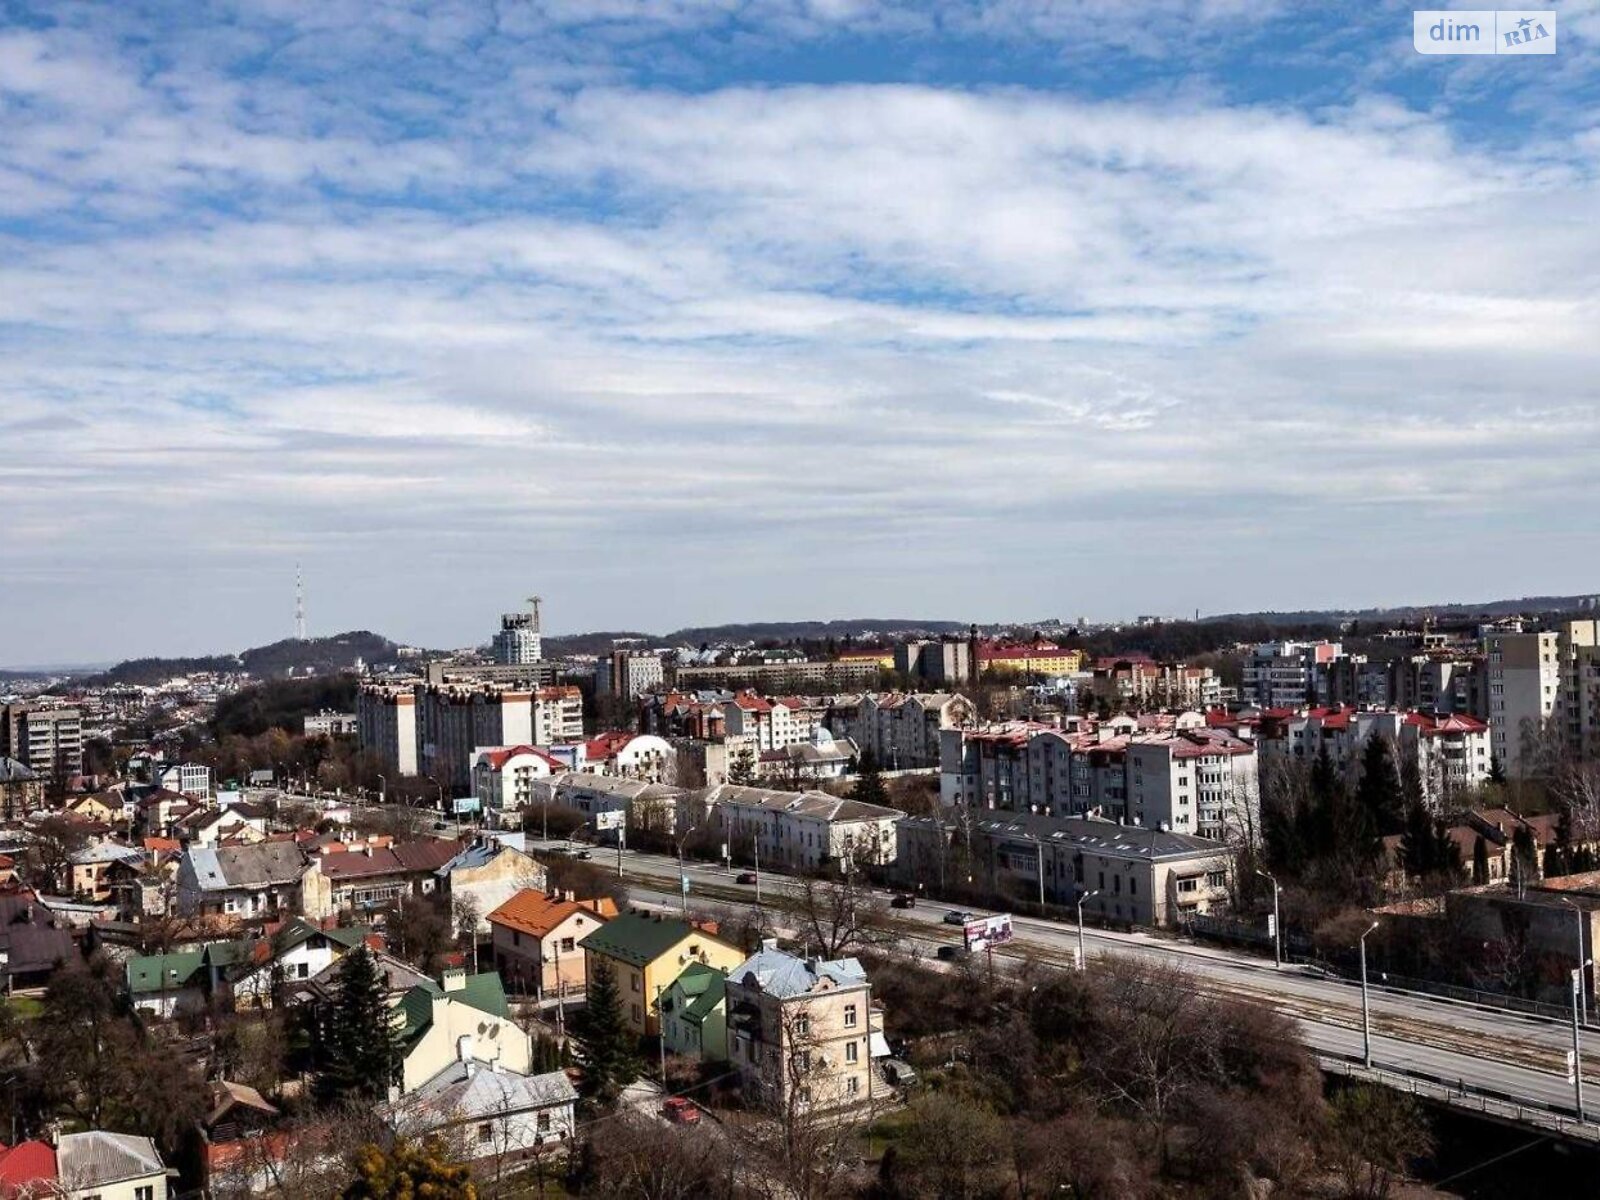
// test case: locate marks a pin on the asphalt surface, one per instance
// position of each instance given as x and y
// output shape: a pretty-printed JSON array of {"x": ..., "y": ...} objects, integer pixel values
[{"x": 1463, "y": 1047}]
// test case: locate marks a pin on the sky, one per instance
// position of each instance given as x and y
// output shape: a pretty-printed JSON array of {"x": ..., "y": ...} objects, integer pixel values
[{"x": 685, "y": 311}]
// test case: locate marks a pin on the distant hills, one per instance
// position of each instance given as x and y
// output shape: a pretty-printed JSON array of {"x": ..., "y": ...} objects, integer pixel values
[
  {"x": 325, "y": 655},
  {"x": 1414, "y": 612},
  {"x": 322, "y": 655}
]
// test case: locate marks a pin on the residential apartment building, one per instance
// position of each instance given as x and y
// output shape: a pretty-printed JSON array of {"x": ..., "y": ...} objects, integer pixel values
[
  {"x": 1542, "y": 686},
  {"x": 557, "y": 715},
  {"x": 46, "y": 739},
  {"x": 643, "y": 804},
  {"x": 1036, "y": 658},
  {"x": 807, "y": 830},
  {"x": 901, "y": 730},
  {"x": 799, "y": 1032},
  {"x": 21, "y": 789},
  {"x": 1194, "y": 781},
  {"x": 386, "y": 722},
  {"x": 187, "y": 779},
  {"x": 1284, "y": 674},
  {"x": 629, "y": 673},
  {"x": 454, "y": 720},
  {"x": 774, "y": 678},
  {"x": 1136, "y": 684},
  {"x": 946, "y": 661},
  {"x": 518, "y": 643}
]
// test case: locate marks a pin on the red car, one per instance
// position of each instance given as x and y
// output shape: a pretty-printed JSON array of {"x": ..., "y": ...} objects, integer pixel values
[{"x": 680, "y": 1111}]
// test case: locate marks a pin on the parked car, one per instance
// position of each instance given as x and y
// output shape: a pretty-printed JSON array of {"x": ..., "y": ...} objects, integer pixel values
[
  {"x": 899, "y": 1073},
  {"x": 746, "y": 877},
  {"x": 953, "y": 953},
  {"x": 681, "y": 1111},
  {"x": 903, "y": 900},
  {"x": 582, "y": 854},
  {"x": 957, "y": 916}
]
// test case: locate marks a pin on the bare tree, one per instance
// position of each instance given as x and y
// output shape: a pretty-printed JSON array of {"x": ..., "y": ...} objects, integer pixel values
[{"x": 840, "y": 917}]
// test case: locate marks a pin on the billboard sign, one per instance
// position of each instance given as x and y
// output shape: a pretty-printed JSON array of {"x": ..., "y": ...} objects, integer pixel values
[
  {"x": 614, "y": 819},
  {"x": 986, "y": 932}
]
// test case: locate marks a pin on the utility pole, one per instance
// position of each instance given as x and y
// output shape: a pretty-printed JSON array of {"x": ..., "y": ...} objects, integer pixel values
[
  {"x": 561, "y": 990},
  {"x": 1366, "y": 1012},
  {"x": 1039, "y": 846},
  {"x": 1577, "y": 1049},
  {"x": 683, "y": 883},
  {"x": 1277, "y": 920},
  {"x": 755, "y": 844},
  {"x": 1083, "y": 954},
  {"x": 661, "y": 1039},
  {"x": 621, "y": 832},
  {"x": 1583, "y": 991}
]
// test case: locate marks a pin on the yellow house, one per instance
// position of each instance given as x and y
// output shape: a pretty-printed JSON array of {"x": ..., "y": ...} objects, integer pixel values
[
  {"x": 646, "y": 952},
  {"x": 1035, "y": 659}
]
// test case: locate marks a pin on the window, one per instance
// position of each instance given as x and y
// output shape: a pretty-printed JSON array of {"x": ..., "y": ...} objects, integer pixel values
[
  {"x": 802, "y": 1025},
  {"x": 634, "y": 979},
  {"x": 516, "y": 937},
  {"x": 852, "y": 1085},
  {"x": 568, "y": 945},
  {"x": 485, "y": 1133},
  {"x": 145, "y": 1192},
  {"x": 636, "y": 1017},
  {"x": 544, "y": 1122},
  {"x": 852, "y": 1052},
  {"x": 849, "y": 1016}
]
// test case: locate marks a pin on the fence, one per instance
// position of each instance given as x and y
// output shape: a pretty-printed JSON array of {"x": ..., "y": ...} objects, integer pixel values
[{"x": 1490, "y": 1104}]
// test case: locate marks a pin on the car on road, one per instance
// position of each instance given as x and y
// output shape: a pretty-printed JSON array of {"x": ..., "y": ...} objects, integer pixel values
[
  {"x": 957, "y": 916},
  {"x": 440, "y": 825},
  {"x": 899, "y": 1073},
  {"x": 584, "y": 855},
  {"x": 746, "y": 877},
  {"x": 681, "y": 1111},
  {"x": 903, "y": 900},
  {"x": 953, "y": 953}
]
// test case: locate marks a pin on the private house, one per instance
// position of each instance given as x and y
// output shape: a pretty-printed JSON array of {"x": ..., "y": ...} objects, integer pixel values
[
  {"x": 28, "y": 1169},
  {"x": 236, "y": 825},
  {"x": 800, "y": 1031},
  {"x": 90, "y": 871},
  {"x": 503, "y": 776},
  {"x": 110, "y": 1166},
  {"x": 101, "y": 808},
  {"x": 398, "y": 979},
  {"x": 463, "y": 1018},
  {"x": 485, "y": 875},
  {"x": 245, "y": 882},
  {"x": 645, "y": 805},
  {"x": 254, "y": 972},
  {"x": 21, "y": 789},
  {"x": 238, "y": 1146},
  {"x": 694, "y": 1014},
  {"x": 535, "y": 937},
  {"x": 495, "y": 1119},
  {"x": 158, "y": 810},
  {"x": 646, "y": 952},
  {"x": 168, "y": 985},
  {"x": 362, "y": 878},
  {"x": 33, "y": 943}
]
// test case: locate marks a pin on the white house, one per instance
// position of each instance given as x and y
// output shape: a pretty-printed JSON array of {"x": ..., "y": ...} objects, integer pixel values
[
  {"x": 503, "y": 776},
  {"x": 495, "y": 1119},
  {"x": 110, "y": 1166}
]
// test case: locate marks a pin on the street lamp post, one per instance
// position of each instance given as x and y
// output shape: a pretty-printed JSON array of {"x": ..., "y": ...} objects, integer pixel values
[
  {"x": 1083, "y": 955},
  {"x": 1366, "y": 1012},
  {"x": 1577, "y": 1048},
  {"x": 1277, "y": 919},
  {"x": 1039, "y": 846},
  {"x": 383, "y": 789},
  {"x": 1583, "y": 960}
]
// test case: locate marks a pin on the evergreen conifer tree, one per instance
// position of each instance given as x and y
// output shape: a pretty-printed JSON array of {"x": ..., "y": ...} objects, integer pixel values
[
  {"x": 358, "y": 1050},
  {"x": 607, "y": 1048}
]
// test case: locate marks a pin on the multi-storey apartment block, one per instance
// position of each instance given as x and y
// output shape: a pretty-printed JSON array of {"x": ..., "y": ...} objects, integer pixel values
[{"x": 47, "y": 740}]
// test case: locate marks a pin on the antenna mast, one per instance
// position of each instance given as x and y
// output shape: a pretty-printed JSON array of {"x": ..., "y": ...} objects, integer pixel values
[{"x": 299, "y": 605}]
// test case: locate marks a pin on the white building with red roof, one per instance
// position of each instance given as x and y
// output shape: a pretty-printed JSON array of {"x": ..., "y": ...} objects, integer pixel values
[{"x": 503, "y": 776}]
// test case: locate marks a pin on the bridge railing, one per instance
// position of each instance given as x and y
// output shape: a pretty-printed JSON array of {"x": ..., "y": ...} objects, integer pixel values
[{"x": 1495, "y": 1104}]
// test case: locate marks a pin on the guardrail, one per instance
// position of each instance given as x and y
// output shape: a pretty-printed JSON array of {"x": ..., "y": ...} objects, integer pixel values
[{"x": 1485, "y": 1101}]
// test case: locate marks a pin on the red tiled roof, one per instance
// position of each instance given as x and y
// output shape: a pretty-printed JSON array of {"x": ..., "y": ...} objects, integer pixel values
[
  {"x": 27, "y": 1162},
  {"x": 537, "y": 913}
]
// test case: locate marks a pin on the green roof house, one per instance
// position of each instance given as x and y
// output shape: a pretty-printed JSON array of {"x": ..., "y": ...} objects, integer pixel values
[{"x": 694, "y": 1014}]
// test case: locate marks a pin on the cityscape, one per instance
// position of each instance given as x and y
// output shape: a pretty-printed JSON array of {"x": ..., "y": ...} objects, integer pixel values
[{"x": 799, "y": 600}]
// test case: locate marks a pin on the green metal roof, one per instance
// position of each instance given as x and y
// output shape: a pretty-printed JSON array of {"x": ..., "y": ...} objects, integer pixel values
[
  {"x": 705, "y": 986},
  {"x": 153, "y": 973},
  {"x": 637, "y": 939},
  {"x": 483, "y": 992}
]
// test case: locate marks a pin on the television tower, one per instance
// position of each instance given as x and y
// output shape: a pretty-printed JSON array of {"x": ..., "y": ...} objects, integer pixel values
[{"x": 299, "y": 605}]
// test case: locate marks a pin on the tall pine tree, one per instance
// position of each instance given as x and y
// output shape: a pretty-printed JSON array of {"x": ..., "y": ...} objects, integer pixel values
[
  {"x": 607, "y": 1048},
  {"x": 870, "y": 788},
  {"x": 357, "y": 1047},
  {"x": 1378, "y": 793}
]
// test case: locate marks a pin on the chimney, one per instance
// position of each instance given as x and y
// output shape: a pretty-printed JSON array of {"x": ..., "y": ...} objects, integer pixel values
[
  {"x": 769, "y": 943},
  {"x": 453, "y": 980},
  {"x": 464, "y": 1047}
]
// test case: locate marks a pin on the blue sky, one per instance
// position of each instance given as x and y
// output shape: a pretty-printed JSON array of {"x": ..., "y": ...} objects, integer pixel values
[{"x": 680, "y": 311}]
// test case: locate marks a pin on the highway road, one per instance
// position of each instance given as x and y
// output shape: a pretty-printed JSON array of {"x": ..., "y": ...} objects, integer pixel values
[{"x": 1482, "y": 1051}]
